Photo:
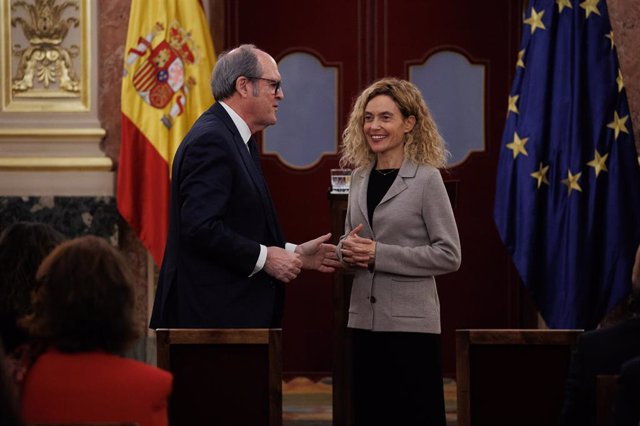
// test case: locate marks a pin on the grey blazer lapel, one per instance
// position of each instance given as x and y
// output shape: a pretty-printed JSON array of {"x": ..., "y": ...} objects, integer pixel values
[
  {"x": 408, "y": 169},
  {"x": 363, "y": 177}
]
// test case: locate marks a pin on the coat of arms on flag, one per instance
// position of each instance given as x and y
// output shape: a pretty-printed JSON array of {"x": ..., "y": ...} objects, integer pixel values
[
  {"x": 159, "y": 77},
  {"x": 167, "y": 68}
]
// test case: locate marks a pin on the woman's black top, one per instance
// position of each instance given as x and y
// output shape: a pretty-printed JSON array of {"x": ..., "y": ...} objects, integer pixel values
[{"x": 379, "y": 183}]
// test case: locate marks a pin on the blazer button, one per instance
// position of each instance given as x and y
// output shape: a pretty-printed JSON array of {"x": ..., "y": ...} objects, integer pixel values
[{"x": 372, "y": 299}]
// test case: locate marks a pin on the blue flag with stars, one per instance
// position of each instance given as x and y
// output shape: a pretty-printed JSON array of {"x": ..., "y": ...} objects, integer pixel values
[{"x": 568, "y": 183}]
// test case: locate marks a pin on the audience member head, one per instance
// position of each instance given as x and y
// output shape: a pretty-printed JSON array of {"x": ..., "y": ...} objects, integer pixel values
[
  {"x": 85, "y": 298},
  {"x": 423, "y": 144},
  {"x": 23, "y": 245}
]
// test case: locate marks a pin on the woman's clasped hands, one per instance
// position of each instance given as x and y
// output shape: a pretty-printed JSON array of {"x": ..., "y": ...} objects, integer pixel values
[{"x": 357, "y": 250}]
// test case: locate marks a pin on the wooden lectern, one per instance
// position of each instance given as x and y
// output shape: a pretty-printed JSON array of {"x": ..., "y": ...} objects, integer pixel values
[
  {"x": 223, "y": 376},
  {"x": 512, "y": 377},
  {"x": 341, "y": 334}
]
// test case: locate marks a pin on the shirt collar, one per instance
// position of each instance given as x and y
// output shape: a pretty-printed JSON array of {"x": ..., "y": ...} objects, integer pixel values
[{"x": 242, "y": 127}]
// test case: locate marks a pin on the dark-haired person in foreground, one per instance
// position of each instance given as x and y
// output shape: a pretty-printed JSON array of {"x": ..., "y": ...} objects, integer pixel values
[
  {"x": 84, "y": 314},
  {"x": 226, "y": 261},
  {"x": 23, "y": 245}
]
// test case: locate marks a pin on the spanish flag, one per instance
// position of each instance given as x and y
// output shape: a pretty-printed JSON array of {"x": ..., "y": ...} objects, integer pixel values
[{"x": 168, "y": 61}]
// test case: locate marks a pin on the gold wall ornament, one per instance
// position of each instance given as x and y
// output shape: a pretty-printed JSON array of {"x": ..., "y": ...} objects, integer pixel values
[
  {"x": 45, "y": 59},
  {"x": 50, "y": 132},
  {"x": 46, "y": 55}
]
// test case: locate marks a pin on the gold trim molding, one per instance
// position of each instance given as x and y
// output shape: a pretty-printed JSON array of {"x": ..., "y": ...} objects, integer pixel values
[
  {"x": 52, "y": 134},
  {"x": 56, "y": 164}
]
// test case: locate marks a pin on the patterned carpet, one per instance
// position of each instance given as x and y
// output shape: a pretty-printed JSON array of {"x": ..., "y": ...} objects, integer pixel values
[{"x": 308, "y": 403}]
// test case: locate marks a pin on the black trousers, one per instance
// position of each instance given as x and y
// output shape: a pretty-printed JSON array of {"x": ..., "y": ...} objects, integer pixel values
[{"x": 397, "y": 379}]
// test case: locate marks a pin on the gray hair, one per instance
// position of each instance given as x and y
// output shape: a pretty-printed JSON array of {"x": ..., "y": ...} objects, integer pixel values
[{"x": 241, "y": 61}]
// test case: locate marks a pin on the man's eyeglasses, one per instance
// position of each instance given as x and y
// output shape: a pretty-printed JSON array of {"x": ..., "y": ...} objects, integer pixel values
[{"x": 277, "y": 85}]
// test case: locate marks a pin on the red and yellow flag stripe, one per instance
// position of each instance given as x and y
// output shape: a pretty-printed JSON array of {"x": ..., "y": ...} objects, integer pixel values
[{"x": 169, "y": 57}]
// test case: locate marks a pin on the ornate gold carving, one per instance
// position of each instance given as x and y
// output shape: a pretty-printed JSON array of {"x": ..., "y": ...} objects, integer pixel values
[
  {"x": 45, "y": 59},
  {"x": 47, "y": 64}
]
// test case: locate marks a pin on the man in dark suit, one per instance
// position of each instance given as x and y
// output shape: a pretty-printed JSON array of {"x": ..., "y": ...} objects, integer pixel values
[
  {"x": 601, "y": 351},
  {"x": 226, "y": 260}
]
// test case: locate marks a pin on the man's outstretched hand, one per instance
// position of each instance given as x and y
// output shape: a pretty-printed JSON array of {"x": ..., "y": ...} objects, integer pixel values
[{"x": 318, "y": 254}]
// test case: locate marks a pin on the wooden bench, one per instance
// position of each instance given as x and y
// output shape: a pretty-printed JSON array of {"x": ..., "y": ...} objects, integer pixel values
[
  {"x": 223, "y": 376},
  {"x": 508, "y": 377}
]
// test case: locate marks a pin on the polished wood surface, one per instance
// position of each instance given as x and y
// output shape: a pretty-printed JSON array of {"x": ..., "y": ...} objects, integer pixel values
[
  {"x": 223, "y": 376},
  {"x": 341, "y": 334},
  {"x": 507, "y": 377}
]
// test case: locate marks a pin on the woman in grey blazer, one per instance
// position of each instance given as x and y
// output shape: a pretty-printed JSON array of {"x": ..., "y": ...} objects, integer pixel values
[{"x": 400, "y": 232}]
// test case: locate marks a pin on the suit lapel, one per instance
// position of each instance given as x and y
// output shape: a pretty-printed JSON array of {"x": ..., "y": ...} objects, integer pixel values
[
  {"x": 240, "y": 146},
  {"x": 276, "y": 232},
  {"x": 251, "y": 168}
]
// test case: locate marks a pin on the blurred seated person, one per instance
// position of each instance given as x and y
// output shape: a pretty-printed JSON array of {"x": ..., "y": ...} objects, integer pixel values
[
  {"x": 626, "y": 406},
  {"x": 83, "y": 311},
  {"x": 23, "y": 245},
  {"x": 601, "y": 351}
]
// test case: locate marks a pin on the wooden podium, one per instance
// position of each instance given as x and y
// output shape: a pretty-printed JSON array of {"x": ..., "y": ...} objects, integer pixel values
[
  {"x": 512, "y": 377},
  {"x": 341, "y": 334},
  {"x": 223, "y": 376}
]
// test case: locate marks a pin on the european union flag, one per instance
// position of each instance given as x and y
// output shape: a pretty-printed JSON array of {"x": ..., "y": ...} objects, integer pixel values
[{"x": 568, "y": 183}]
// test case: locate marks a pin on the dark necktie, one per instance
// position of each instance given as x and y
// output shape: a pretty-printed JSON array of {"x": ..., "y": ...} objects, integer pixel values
[
  {"x": 253, "y": 150},
  {"x": 271, "y": 216}
]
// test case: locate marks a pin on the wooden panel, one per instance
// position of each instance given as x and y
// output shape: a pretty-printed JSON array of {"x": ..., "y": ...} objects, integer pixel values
[
  {"x": 342, "y": 343},
  {"x": 508, "y": 377},
  {"x": 486, "y": 291},
  {"x": 331, "y": 31},
  {"x": 223, "y": 377},
  {"x": 366, "y": 40},
  {"x": 228, "y": 336}
]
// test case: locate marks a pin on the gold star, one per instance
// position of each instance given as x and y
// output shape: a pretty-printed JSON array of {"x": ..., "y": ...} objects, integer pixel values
[
  {"x": 572, "y": 182},
  {"x": 599, "y": 163},
  {"x": 620, "y": 81},
  {"x": 562, "y": 4},
  {"x": 512, "y": 104},
  {"x": 517, "y": 146},
  {"x": 618, "y": 124},
  {"x": 535, "y": 20},
  {"x": 520, "y": 62},
  {"x": 541, "y": 175},
  {"x": 610, "y": 37},
  {"x": 590, "y": 6}
]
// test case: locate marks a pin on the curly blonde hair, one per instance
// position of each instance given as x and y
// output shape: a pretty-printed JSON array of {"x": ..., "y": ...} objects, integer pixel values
[{"x": 423, "y": 144}]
